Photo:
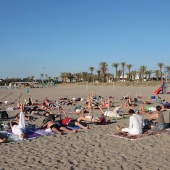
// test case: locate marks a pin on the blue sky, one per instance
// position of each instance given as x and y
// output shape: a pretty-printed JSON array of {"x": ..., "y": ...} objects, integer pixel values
[{"x": 54, "y": 36}]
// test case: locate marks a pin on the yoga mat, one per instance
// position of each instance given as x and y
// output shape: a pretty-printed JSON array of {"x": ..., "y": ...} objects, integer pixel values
[
  {"x": 127, "y": 136},
  {"x": 74, "y": 127},
  {"x": 42, "y": 132},
  {"x": 28, "y": 134}
]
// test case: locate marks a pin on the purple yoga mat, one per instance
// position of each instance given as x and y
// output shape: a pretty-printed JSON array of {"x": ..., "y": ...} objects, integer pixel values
[
  {"x": 28, "y": 134},
  {"x": 43, "y": 132}
]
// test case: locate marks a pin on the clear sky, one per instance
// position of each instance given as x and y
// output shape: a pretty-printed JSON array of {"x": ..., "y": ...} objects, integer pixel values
[{"x": 54, "y": 36}]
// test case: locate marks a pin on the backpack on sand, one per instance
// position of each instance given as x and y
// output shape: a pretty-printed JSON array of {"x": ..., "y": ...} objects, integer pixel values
[{"x": 3, "y": 115}]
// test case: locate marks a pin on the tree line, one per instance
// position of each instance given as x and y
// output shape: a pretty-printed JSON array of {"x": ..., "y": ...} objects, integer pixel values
[{"x": 100, "y": 75}]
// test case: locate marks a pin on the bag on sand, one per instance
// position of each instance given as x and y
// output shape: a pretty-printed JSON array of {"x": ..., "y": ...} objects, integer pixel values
[
  {"x": 3, "y": 115},
  {"x": 102, "y": 121}
]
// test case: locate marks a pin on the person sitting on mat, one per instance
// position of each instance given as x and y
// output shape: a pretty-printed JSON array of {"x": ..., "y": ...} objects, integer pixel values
[
  {"x": 135, "y": 124},
  {"x": 160, "y": 122}
]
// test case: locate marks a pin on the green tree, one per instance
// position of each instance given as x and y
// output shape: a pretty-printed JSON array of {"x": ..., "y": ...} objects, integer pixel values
[
  {"x": 91, "y": 72},
  {"x": 119, "y": 73},
  {"x": 32, "y": 78},
  {"x": 160, "y": 65},
  {"x": 133, "y": 75},
  {"x": 63, "y": 76},
  {"x": 70, "y": 76},
  {"x": 123, "y": 64},
  {"x": 78, "y": 76},
  {"x": 129, "y": 66},
  {"x": 103, "y": 68},
  {"x": 115, "y": 65},
  {"x": 98, "y": 75},
  {"x": 168, "y": 68},
  {"x": 148, "y": 74},
  {"x": 42, "y": 78},
  {"x": 157, "y": 74},
  {"x": 84, "y": 76},
  {"x": 142, "y": 71}
]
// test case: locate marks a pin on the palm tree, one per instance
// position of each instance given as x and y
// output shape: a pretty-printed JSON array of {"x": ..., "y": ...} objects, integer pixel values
[
  {"x": 160, "y": 65},
  {"x": 148, "y": 74},
  {"x": 63, "y": 76},
  {"x": 133, "y": 74},
  {"x": 129, "y": 66},
  {"x": 109, "y": 77},
  {"x": 78, "y": 76},
  {"x": 142, "y": 71},
  {"x": 42, "y": 78},
  {"x": 115, "y": 65},
  {"x": 123, "y": 64},
  {"x": 46, "y": 77},
  {"x": 70, "y": 77},
  {"x": 157, "y": 74},
  {"x": 84, "y": 76},
  {"x": 98, "y": 75},
  {"x": 119, "y": 73},
  {"x": 32, "y": 78},
  {"x": 168, "y": 68},
  {"x": 103, "y": 68},
  {"x": 91, "y": 71}
]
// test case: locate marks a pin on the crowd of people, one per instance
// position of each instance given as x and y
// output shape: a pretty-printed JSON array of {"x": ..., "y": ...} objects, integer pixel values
[{"x": 59, "y": 122}]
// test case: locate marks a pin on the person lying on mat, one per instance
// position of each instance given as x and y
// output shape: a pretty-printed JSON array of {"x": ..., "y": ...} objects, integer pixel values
[
  {"x": 77, "y": 110},
  {"x": 97, "y": 120},
  {"x": 135, "y": 124},
  {"x": 18, "y": 128},
  {"x": 56, "y": 128},
  {"x": 160, "y": 122},
  {"x": 69, "y": 121},
  {"x": 129, "y": 101},
  {"x": 72, "y": 122},
  {"x": 115, "y": 113},
  {"x": 29, "y": 102},
  {"x": 165, "y": 104},
  {"x": 147, "y": 108}
]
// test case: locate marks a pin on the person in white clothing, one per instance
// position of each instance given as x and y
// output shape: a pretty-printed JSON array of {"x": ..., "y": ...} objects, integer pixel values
[
  {"x": 135, "y": 124},
  {"x": 18, "y": 128}
]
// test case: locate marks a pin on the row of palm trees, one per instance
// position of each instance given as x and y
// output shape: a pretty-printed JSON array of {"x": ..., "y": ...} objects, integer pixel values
[
  {"x": 102, "y": 74},
  {"x": 122, "y": 71}
]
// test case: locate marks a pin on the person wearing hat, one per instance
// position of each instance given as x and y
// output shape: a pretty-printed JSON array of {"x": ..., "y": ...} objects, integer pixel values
[{"x": 135, "y": 124}]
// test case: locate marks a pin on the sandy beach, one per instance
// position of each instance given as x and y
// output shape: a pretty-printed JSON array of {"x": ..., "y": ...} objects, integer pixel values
[{"x": 92, "y": 149}]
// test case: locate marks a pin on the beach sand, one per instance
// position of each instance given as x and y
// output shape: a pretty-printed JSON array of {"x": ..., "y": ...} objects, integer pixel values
[{"x": 92, "y": 149}]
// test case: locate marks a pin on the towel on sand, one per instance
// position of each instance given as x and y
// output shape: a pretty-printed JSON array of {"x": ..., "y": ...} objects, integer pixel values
[{"x": 146, "y": 134}]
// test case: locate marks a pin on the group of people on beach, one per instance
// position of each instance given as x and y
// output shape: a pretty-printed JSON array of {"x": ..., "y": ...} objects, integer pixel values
[{"x": 103, "y": 104}]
